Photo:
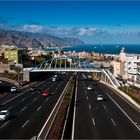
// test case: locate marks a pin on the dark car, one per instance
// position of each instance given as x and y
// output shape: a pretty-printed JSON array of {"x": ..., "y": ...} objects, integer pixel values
[
  {"x": 33, "y": 88},
  {"x": 36, "y": 89}
]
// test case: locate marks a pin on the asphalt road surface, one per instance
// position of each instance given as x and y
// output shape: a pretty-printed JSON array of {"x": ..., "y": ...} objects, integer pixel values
[
  {"x": 113, "y": 118},
  {"x": 29, "y": 110}
]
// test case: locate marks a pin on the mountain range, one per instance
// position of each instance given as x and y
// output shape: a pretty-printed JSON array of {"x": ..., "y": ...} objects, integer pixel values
[{"x": 22, "y": 39}]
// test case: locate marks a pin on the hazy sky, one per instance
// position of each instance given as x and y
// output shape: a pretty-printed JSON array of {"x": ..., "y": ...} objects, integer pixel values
[{"x": 93, "y": 22}]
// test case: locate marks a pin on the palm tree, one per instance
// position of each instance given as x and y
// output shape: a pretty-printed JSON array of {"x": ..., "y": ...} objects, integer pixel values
[
  {"x": 18, "y": 70},
  {"x": 6, "y": 73}
]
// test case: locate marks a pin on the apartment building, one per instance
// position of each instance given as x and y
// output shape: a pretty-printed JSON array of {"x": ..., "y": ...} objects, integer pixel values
[
  {"x": 132, "y": 67},
  {"x": 14, "y": 55}
]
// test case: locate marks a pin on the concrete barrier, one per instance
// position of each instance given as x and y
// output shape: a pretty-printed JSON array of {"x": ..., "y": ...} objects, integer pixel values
[{"x": 128, "y": 98}]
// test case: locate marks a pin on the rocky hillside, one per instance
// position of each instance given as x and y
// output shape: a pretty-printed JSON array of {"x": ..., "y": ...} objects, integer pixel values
[{"x": 26, "y": 39}]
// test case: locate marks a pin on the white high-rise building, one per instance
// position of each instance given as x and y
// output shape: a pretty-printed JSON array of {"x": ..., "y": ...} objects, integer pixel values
[{"x": 131, "y": 67}]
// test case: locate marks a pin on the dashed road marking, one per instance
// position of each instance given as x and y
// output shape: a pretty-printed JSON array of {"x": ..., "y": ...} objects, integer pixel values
[
  {"x": 23, "y": 108},
  {"x": 123, "y": 111},
  {"x": 89, "y": 107},
  {"x": 25, "y": 124},
  {"x": 4, "y": 124},
  {"x": 87, "y": 97},
  {"x": 10, "y": 107},
  {"x": 46, "y": 100},
  {"x": 93, "y": 121},
  {"x": 34, "y": 99},
  {"x": 104, "y": 107},
  {"x": 113, "y": 121},
  {"x": 39, "y": 108},
  {"x": 22, "y": 100}
]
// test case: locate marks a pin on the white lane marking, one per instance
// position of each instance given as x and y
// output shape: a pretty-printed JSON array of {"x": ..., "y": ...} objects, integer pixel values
[
  {"x": 87, "y": 97},
  {"x": 89, "y": 107},
  {"x": 4, "y": 124},
  {"x": 24, "y": 92},
  {"x": 113, "y": 121},
  {"x": 13, "y": 98},
  {"x": 123, "y": 111},
  {"x": 22, "y": 100},
  {"x": 3, "y": 95},
  {"x": 25, "y": 124},
  {"x": 23, "y": 108},
  {"x": 93, "y": 121},
  {"x": 95, "y": 92},
  {"x": 34, "y": 99},
  {"x": 123, "y": 98},
  {"x": 104, "y": 107},
  {"x": 46, "y": 100},
  {"x": 73, "y": 125},
  {"x": 39, "y": 108},
  {"x": 10, "y": 107}
]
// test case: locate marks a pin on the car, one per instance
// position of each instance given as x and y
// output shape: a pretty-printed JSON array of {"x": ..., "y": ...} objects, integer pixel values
[
  {"x": 36, "y": 89},
  {"x": 33, "y": 88},
  {"x": 100, "y": 98},
  {"x": 13, "y": 89},
  {"x": 89, "y": 87},
  {"x": 55, "y": 75},
  {"x": 54, "y": 79},
  {"x": 45, "y": 93},
  {"x": 4, "y": 115}
]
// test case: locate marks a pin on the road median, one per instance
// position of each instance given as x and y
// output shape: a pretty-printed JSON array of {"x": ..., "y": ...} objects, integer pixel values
[{"x": 53, "y": 127}]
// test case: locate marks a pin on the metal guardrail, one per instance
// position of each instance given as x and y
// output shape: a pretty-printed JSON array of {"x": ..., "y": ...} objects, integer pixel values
[{"x": 67, "y": 129}]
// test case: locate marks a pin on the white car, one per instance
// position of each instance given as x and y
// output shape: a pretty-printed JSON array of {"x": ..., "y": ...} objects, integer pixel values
[
  {"x": 53, "y": 79},
  {"x": 100, "y": 98},
  {"x": 55, "y": 75},
  {"x": 89, "y": 87},
  {"x": 13, "y": 89},
  {"x": 4, "y": 114}
]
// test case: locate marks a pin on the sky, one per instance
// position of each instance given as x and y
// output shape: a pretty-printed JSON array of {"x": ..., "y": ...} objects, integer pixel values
[{"x": 94, "y": 22}]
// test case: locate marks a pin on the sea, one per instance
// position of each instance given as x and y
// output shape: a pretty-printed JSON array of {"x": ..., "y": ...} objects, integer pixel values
[{"x": 104, "y": 49}]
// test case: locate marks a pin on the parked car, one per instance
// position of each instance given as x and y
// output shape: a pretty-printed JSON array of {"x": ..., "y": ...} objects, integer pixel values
[
  {"x": 13, "y": 89},
  {"x": 4, "y": 114}
]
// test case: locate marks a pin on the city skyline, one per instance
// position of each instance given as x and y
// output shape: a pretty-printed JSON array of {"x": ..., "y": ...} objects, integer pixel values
[{"x": 104, "y": 22}]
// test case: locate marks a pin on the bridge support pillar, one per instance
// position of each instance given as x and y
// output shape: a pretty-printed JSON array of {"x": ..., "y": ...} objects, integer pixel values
[{"x": 26, "y": 75}]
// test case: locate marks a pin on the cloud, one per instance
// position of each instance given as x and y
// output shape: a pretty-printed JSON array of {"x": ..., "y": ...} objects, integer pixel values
[
  {"x": 32, "y": 28},
  {"x": 90, "y": 31}
]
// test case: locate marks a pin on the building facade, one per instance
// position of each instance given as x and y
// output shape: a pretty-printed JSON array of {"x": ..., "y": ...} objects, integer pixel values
[
  {"x": 14, "y": 55},
  {"x": 119, "y": 69},
  {"x": 132, "y": 67}
]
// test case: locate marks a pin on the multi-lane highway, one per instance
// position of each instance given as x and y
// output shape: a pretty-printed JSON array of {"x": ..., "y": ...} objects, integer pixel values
[
  {"x": 29, "y": 110},
  {"x": 112, "y": 118}
]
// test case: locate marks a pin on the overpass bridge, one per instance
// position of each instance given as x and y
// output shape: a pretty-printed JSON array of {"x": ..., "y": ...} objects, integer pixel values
[{"x": 73, "y": 64}]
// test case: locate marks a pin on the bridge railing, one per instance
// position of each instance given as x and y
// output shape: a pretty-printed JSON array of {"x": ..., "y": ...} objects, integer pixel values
[{"x": 111, "y": 78}]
